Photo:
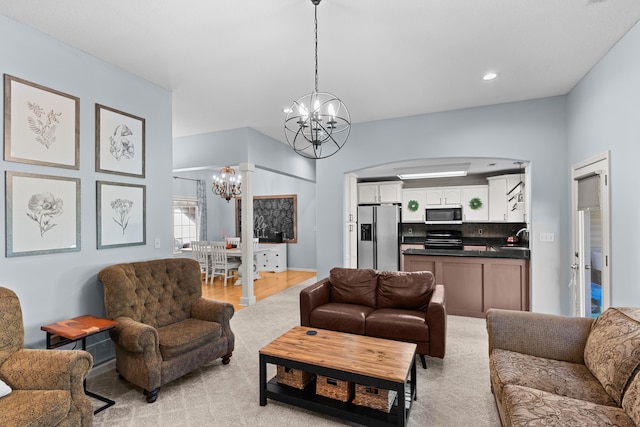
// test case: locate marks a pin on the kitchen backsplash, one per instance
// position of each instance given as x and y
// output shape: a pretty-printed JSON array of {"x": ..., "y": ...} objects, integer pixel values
[{"x": 469, "y": 229}]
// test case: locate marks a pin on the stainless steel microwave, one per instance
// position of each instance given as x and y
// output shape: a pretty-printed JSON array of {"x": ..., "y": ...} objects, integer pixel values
[{"x": 444, "y": 214}]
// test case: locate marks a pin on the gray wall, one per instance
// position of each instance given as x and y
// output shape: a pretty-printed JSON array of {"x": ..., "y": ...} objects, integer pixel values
[
  {"x": 603, "y": 114},
  {"x": 278, "y": 171},
  {"x": 531, "y": 130},
  {"x": 53, "y": 287}
]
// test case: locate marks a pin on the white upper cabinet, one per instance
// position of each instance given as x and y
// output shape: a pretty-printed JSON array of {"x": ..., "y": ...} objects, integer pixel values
[
  {"x": 444, "y": 196},
  {"x": 413, "y": 204},
  {"x": 507, "y": 198},
  {"x": 475, "y": 203},
  {"x": 380, "y": 192}
]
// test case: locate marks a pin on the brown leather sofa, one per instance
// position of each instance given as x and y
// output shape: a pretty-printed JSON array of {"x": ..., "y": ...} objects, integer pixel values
[
  {"x": 166, "y": 329},
  {"x": 397, "y": 305}
]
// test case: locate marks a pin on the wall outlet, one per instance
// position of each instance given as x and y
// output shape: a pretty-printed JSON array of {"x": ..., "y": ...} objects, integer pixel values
[
  {"x": 480, "y": 231},
  {"x": 156, "y": 243},
  {"x": 547, "y": 237},
  {"x": 410, "y": 231}
]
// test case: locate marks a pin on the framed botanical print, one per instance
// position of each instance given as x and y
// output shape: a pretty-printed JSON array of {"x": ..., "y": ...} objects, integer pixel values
[
  {"x": 41, "y": 125},
  {"x": 120, "y": 142},
  {"x": 42, "y": 214},
  {"x": 121, "y": 210}
]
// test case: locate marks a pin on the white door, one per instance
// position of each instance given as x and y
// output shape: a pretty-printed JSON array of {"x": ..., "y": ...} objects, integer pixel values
[{"x": 591, "y": 236}]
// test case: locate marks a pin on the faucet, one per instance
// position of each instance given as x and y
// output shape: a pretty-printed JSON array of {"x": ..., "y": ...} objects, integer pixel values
[{"x": 521, "y": 230}]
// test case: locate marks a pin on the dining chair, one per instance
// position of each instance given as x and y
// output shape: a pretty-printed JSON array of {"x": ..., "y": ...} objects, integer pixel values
[
  {"x": 233, "y": 241},
  {"x": 200, "y": 252},
  {"x": 221, "y": 264},
  {"x": 256, "y": 242}
]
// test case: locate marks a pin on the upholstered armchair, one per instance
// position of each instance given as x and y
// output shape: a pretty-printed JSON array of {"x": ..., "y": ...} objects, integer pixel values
[
  {"x": 165, "y": 328},
  {"x": 46, "y": 386}
]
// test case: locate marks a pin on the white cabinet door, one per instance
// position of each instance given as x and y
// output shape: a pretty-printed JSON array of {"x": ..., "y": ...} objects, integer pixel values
[
  {"x": 444, "y": 196},
  {"x": 475, "y": 203},
  {"x": 390, "y": 192},
  {"x": 497, "y": 199},
  {"x": 275, "y": 259},
  {"x": 367, "y": 193},
  {"x": 417, "y": 196},
  {"x": 506, "y": 199}
]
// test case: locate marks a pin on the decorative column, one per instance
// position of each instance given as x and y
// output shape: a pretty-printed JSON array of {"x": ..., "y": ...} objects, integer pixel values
[{"x": 246, "y": 234}]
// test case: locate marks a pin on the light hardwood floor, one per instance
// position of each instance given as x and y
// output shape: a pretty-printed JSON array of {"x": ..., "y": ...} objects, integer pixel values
[{"x": 269, "y": 284}]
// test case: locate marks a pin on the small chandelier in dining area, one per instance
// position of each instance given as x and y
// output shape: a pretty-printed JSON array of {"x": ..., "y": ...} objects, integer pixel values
[
  {"x": 317, "y": 124},
  {"x": 226, "y": 185}
]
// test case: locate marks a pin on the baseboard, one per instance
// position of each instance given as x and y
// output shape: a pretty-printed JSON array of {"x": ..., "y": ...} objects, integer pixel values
[{"x": 313, "y": 270}]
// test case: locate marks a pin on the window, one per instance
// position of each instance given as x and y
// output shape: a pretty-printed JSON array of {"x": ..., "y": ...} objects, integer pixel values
[{"x": 185, "y": 222}]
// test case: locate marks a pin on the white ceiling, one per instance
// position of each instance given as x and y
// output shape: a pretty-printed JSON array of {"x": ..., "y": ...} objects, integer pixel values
[{"x": 237, "y": 63}]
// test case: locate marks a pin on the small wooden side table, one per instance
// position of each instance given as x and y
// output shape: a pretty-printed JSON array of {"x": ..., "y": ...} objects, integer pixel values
[{"x": 79, "y": 328}]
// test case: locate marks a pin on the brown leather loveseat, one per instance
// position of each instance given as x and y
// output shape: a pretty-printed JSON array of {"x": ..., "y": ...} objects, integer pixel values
[{"x": 397, "y": 305}]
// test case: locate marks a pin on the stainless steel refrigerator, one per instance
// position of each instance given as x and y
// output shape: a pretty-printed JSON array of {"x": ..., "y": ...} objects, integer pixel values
[{"x": 378, "y": 245}]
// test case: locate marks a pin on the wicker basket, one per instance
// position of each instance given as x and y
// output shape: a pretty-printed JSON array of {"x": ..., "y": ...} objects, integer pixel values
[
  {"x": 334, "y": 388},
  {"x": 375, "y": 398},
  {"x": 293, "y": 377}
]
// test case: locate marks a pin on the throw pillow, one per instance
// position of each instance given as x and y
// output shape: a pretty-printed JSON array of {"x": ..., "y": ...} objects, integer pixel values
[
  {"x": 4, "y": 389},
  {"x": 612, "y": 350},
  {"x": 354, "y": 286},
  {"x": 405, "y": 290}
]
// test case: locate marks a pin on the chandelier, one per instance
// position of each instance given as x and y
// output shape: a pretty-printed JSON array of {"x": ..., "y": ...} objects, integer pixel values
[
  {"x": 227, "y": 185},
  {"x": 318, "y": 124}
]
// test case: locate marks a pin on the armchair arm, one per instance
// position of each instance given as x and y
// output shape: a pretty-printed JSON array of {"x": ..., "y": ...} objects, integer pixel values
[
  {"x": 135, "y": 337},
  {"x": 312, "y": 297},
  {"x": 30, "y": 369},
  {"x": 437, "y": 321},
  {"x": 212, "y": 311},
  {"x": 543, "y": 335}
]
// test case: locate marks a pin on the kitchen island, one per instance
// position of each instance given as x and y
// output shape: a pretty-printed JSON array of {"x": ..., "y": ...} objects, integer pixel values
[{"x": 477, "y": 277}]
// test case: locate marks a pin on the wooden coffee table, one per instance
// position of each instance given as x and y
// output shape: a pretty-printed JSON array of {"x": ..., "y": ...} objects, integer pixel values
[{"x": 363, "y": 360}]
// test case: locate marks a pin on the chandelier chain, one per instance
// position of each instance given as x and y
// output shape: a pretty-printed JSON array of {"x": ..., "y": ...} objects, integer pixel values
[{"x": 315, "y": 21}]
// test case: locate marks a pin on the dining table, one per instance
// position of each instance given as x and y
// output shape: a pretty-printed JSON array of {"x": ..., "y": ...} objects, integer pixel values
[{"x": 237, "y": 253}]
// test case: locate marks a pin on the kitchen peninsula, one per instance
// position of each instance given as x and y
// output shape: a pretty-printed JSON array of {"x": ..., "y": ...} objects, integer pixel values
[{"x": 476, "y": 277}]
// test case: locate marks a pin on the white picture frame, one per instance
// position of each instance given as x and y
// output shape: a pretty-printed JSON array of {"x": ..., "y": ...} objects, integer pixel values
[
  {"x": 120, "y": 142},
  {"x": 121, "y": 214},
  {"x": 41, "y": 125},
  {"x": 42, "y": 214}
]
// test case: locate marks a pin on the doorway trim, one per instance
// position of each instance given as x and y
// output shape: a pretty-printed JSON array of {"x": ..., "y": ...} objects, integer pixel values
[{"x": 597, "y": 165}]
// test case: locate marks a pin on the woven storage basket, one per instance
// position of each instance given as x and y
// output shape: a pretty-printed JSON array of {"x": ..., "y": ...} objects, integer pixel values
[
  {"x": 334, "y": 388},
  {"x": 375, "y": 398},
  {"x": 293, "y": 377}
]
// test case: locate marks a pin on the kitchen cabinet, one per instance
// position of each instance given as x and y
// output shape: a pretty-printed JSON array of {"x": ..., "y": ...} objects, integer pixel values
[
  {"x": 420, "y": 197},
  {"x": 351, "y": 221},
  {"x": 404, "y": 247},
  {"x": 507, "y": 201},
  {"x": 380, "y": 192},
  {"x": 444, "y": 196},
  {"x": 476, "y": 193},
  {"x": 473, "y": 284},
  {"x": 275, "y": 259}
]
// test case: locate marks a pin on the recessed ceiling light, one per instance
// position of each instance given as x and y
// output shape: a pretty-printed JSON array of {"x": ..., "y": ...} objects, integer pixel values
[{"x": 490, "y": 76}]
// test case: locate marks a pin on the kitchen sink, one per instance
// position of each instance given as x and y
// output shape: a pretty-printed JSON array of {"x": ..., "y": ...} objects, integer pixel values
[{"x": 513, "y": 248}]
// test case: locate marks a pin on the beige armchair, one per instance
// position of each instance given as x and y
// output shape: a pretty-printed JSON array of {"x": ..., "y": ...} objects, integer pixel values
[
  {"x": 165, "y": 328},
  {"x": 46, "y": 385}
]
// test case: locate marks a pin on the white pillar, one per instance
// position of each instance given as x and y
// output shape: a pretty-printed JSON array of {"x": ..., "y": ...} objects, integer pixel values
[{"x": 246, "y": 234}]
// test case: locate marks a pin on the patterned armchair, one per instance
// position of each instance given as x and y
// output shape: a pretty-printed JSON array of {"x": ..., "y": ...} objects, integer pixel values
[
  {"x": 47, "y": 385},
  {"x": 165, "y": 328}
]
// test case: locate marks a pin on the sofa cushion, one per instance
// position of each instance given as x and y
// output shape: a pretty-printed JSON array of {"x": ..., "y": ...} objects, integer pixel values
[
  {"x": 405, "y": 290},
  {"x": 568, "y": 379},
  {"x": 392, "y": 323},
  {"x": 612, "y": 350},
  {"x": 631, "y": 400},
  {"x": 35, "y": 407},
  {"x": 353, "y": 286},
  {"x": 340, "y": 317},
  {"x": 526, "y": 406},
  {"x": 186, "y": 335}
]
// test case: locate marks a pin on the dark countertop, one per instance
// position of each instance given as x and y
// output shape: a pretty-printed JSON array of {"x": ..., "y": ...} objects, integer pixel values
[{"x": 485, "y": 248}]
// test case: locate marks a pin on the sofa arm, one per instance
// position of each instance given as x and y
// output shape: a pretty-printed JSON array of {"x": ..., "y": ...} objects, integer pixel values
[
  {"x": 537, "y": 334},
  {"x": 30, "y": 369},
  {"x": 437, "y": 321},
  {"x": 135, "y": 337},
  {"x": 313, "y": 296},
  {"x": 212, "y": 311}
]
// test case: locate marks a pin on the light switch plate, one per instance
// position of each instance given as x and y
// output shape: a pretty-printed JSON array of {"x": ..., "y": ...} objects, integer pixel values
[
  {"x": 156, "y": 243},
  {"x": 547, "y": 237}
]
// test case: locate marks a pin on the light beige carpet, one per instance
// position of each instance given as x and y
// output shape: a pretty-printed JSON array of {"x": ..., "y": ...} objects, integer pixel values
[{"x": 451, "y": 392}]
